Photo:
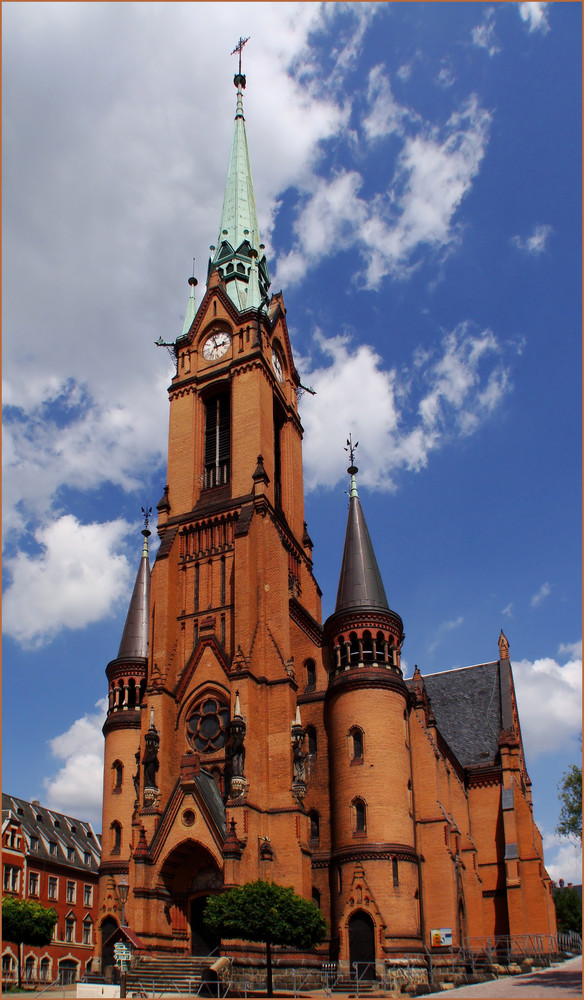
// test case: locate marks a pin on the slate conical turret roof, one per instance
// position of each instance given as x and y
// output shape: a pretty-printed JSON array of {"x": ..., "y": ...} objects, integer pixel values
[
  {"x": 360, "y": 583},
  {"x": 239, "y": 255},
  {"x": 135, "y": 635}
]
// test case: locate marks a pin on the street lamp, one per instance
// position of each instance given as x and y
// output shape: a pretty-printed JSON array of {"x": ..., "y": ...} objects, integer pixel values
[{"x": 123, "y": 890}]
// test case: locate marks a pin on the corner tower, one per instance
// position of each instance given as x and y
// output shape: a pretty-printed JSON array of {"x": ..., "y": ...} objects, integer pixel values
[{"x": 374, "y": 867}]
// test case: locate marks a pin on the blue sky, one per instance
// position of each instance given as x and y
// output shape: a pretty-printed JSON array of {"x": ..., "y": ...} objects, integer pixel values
[{"x": 417, "y": 176}]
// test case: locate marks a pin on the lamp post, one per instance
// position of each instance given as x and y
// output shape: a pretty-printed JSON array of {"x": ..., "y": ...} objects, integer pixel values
[{"x": 123, "y": 890}]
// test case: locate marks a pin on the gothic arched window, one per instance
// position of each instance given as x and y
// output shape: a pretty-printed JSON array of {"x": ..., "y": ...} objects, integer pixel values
[
  {"x": 118, "y": 774},
  {"x": 359, "y": 816},
  {"x": 310, "y": 674},
  {"x": 356, "y": 743},
  {"x": 217, "y": 440},
  {"x": 312, "y": 740},
  {"x": 116, "y": 829},
  {"x": 314, "y": 825}
]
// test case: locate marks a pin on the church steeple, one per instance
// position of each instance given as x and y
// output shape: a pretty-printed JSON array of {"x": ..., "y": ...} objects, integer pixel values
[
  {"x": 135, "y": 635},
  {"x": 360, "y": 583},
  {"x": 239, "y": 256}
]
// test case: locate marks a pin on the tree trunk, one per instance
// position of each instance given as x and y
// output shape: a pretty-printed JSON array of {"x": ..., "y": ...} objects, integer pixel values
[
  {"x": 270, "y": 989},
  {"x": 19, "y": 949}
]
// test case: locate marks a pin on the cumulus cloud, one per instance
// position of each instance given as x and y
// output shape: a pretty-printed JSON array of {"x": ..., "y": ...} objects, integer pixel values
[
  {"x": 445, "y": 394},
  {"x": 549, "y": 696},
  {"x": 483, "y": 36},
  {"x": 76, "y": 789},
  {"x": 433, "y": 173},
  {"x": 535, "y": 16},
  {"x": 74, "y": 580},
  {"x": 535, "y": 243},
  {"x": 543, "y": 592}
]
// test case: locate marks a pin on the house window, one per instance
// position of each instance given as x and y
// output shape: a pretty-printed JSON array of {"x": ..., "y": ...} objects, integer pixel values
[
  {"x": 310, "y": 674},
  {"x": 70, "y": 930},
  {"x": 316, "y": 896},
  {"x": 395, "y": 872},
  {"x": 71, "y": 892},
  {"x": 7, "y": 965},
  {"x": 52, "y": 849},
  {"x": 44, "y": 973},
  {"x": 33, "y": 884},
  {"x": 87, "y": 927},
  {"x": 11, "y": 878},
  {"x": 29, "y": 968},
  {"x": 312, "y": 740},
  {"x": 87, "y": 858},
  {"x": 70, "y": 854},
  {"x": 87, "y": 895},
  {"x": 53, "y": 884},
  {"x": 217, "y": 440},
  {"x": 34, "y": 843}
]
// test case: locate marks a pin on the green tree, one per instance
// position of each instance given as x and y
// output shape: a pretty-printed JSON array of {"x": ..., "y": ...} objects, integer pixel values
[
  {"x": 568, "y": 909},
  {"x": 267, "y": 913},
  {"x": 26, "y": 922},
  {"x": 570, "y": 795}
]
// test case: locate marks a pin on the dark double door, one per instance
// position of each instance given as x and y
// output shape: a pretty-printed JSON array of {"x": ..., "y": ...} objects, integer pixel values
[
  {"x": 362, "y": 945},
  {"x": 203, "y": 941}
]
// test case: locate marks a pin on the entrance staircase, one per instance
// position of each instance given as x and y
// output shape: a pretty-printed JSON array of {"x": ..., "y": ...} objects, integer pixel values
[{"x": 169, "y": 974}]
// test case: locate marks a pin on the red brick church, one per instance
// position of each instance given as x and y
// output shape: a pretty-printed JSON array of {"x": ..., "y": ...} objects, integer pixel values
[{"x": 246, "y": 739}]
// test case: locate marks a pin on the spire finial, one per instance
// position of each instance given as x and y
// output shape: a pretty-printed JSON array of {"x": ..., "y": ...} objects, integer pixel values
[
  {"x": 352, "y": 470},
  {"x": 146, "y": 512},
  {"x": 238, "y": 48}
]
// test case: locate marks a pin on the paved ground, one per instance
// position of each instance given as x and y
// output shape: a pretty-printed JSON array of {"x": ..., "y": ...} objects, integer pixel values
[
  {"x": 560, "y": 981},
  {"x": 556, "y": 983}
]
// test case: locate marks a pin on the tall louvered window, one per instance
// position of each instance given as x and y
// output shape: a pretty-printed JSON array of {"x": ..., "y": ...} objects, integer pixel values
[{"x": 217, "y": 440}]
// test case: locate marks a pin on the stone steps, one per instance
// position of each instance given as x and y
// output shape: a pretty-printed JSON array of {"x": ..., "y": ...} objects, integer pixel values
[{"x": 167, "y": 974}]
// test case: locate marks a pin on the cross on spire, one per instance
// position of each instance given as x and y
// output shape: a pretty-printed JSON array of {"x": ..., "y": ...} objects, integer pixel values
[
  {"x": 238, "y": 48},
  {"x": 351, "y": 449}
]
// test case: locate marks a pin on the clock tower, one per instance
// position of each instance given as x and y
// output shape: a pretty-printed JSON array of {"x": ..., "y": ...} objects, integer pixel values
[{"x": 234, "y": 609}]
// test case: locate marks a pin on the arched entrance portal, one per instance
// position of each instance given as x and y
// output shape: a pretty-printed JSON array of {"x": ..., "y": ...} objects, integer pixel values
[
  {"x": 108, "y": 926},
  {"x": 203, "y": 941},
  {"x": 190, "y": 874},
  {"x": 362, "y": 944}
]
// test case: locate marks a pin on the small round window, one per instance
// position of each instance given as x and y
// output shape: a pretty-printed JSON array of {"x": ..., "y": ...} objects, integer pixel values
[{"x": 207, "y": 725}]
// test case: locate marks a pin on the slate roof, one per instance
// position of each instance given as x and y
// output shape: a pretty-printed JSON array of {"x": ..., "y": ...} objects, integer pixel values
[
  {"x": 74, "y": 838},
  {"x": 360, "y": 583},
  {"x": 467, "y": 707},
  {"x": 212, "y": 797}
]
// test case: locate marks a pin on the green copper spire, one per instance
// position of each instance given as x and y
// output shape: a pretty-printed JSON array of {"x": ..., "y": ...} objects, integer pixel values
[{"x": 239, "y": 256}]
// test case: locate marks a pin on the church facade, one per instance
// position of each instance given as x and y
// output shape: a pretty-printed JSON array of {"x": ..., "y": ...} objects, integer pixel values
[{"x": 245, "y": 739}]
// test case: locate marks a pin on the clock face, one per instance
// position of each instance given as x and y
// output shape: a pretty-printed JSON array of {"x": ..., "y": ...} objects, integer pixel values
[
  {"x": 277, "y": 364},
  {"x": 216, "y": 345}
]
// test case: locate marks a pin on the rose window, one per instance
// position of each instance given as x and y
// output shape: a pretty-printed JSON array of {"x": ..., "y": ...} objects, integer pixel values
[{"x": 207, "y": 726}]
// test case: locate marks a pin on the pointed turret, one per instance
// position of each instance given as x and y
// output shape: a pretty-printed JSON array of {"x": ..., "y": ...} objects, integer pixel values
[
  {"x": 360, "y": 583},
  {"x": 135, "y": 635},
  {"x": 191, "y": 308},
  {"x": 239, "y": 257}
]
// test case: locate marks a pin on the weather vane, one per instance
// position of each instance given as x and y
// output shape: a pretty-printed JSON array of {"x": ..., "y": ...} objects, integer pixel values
[
  {"x": 238, "y": 48},
  {"x": 351, "y": 449},
  {"x": 146, "y": 512}
]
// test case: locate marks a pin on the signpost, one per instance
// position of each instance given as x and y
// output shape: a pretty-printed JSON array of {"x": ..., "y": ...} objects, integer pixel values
[{"x": 122, "y": 955}]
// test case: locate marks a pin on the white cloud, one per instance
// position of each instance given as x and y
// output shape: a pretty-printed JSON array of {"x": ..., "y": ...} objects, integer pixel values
[
  {"x": 508, "y": 610},
  {"x": 385, "y": 115},
  {"x": 562, "y": 859},
  {"x": 535, "y": 16},
  {"x": 573, "y": 650},
  {"x": 549, "y": 697},
  {"x": 77, "y": 788},
  {"x": 536, "y": 243},
  {"x": 433, "y": 173},
  {"x": 443, "y": 629},
  {"x": 74, "y": 581},
  {"x": 543, "y": 592},
  {"x": 446, "y": 394},
  {"x": 483, "y": 36}
]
